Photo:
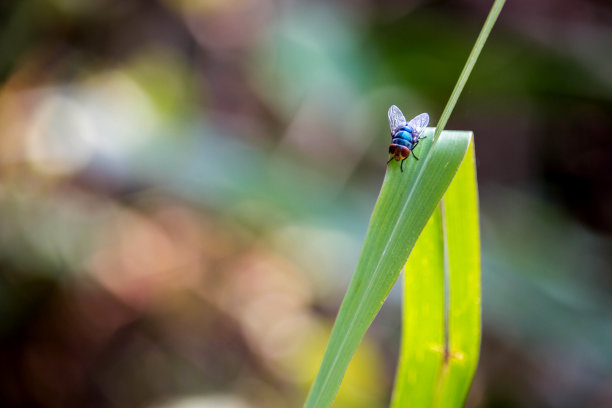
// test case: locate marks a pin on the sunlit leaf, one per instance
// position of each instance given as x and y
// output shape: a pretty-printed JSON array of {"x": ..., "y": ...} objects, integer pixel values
[{"x": 441, "y": 308}]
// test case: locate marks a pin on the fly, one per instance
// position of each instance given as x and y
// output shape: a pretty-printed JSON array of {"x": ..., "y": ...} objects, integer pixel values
[{"x": 405, "y": 136}]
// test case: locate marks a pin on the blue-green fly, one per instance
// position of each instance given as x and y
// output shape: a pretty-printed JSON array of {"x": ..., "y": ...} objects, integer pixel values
[{"x": 405, "y": 136}]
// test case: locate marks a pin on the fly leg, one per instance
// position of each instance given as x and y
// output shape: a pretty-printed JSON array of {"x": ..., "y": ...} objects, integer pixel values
[
  {"x": 389, "y": 161},
  {"x": 402, "y": 165},
  {"x": 412, "y": 151}
]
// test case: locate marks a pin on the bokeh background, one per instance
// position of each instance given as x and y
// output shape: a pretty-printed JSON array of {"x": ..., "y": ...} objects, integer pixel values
[{"x": 185, "y": 186}]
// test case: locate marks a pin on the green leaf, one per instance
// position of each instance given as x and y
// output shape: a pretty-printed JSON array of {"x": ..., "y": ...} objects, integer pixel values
[
  {"x": 441, "y": 308},
  {"x": 406, "y": 201}
]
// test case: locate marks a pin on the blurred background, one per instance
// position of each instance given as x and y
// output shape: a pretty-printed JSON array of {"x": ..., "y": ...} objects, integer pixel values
[{"x": 185, "y": 186}]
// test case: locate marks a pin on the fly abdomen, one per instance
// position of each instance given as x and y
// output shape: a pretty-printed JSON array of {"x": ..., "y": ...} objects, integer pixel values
[{"x": 402, "y": 142}]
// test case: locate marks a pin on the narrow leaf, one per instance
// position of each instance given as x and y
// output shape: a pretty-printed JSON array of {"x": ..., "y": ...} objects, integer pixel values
[
  {"x": 441, "y": 321},
  {"x": 469, "y": 65}
]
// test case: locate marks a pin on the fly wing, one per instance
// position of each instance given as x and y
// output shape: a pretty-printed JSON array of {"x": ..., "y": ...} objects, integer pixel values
[
  {"x": 418, "y": 124},
  {"x": 396, "y": 118}
]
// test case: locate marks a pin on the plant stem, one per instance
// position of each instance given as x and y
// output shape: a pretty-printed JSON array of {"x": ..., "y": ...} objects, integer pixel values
[{"x": 467, "y": 69}]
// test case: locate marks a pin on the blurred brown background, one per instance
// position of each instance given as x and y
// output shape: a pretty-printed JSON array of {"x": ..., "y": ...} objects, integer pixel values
[{"x": 185, "y": 186}]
